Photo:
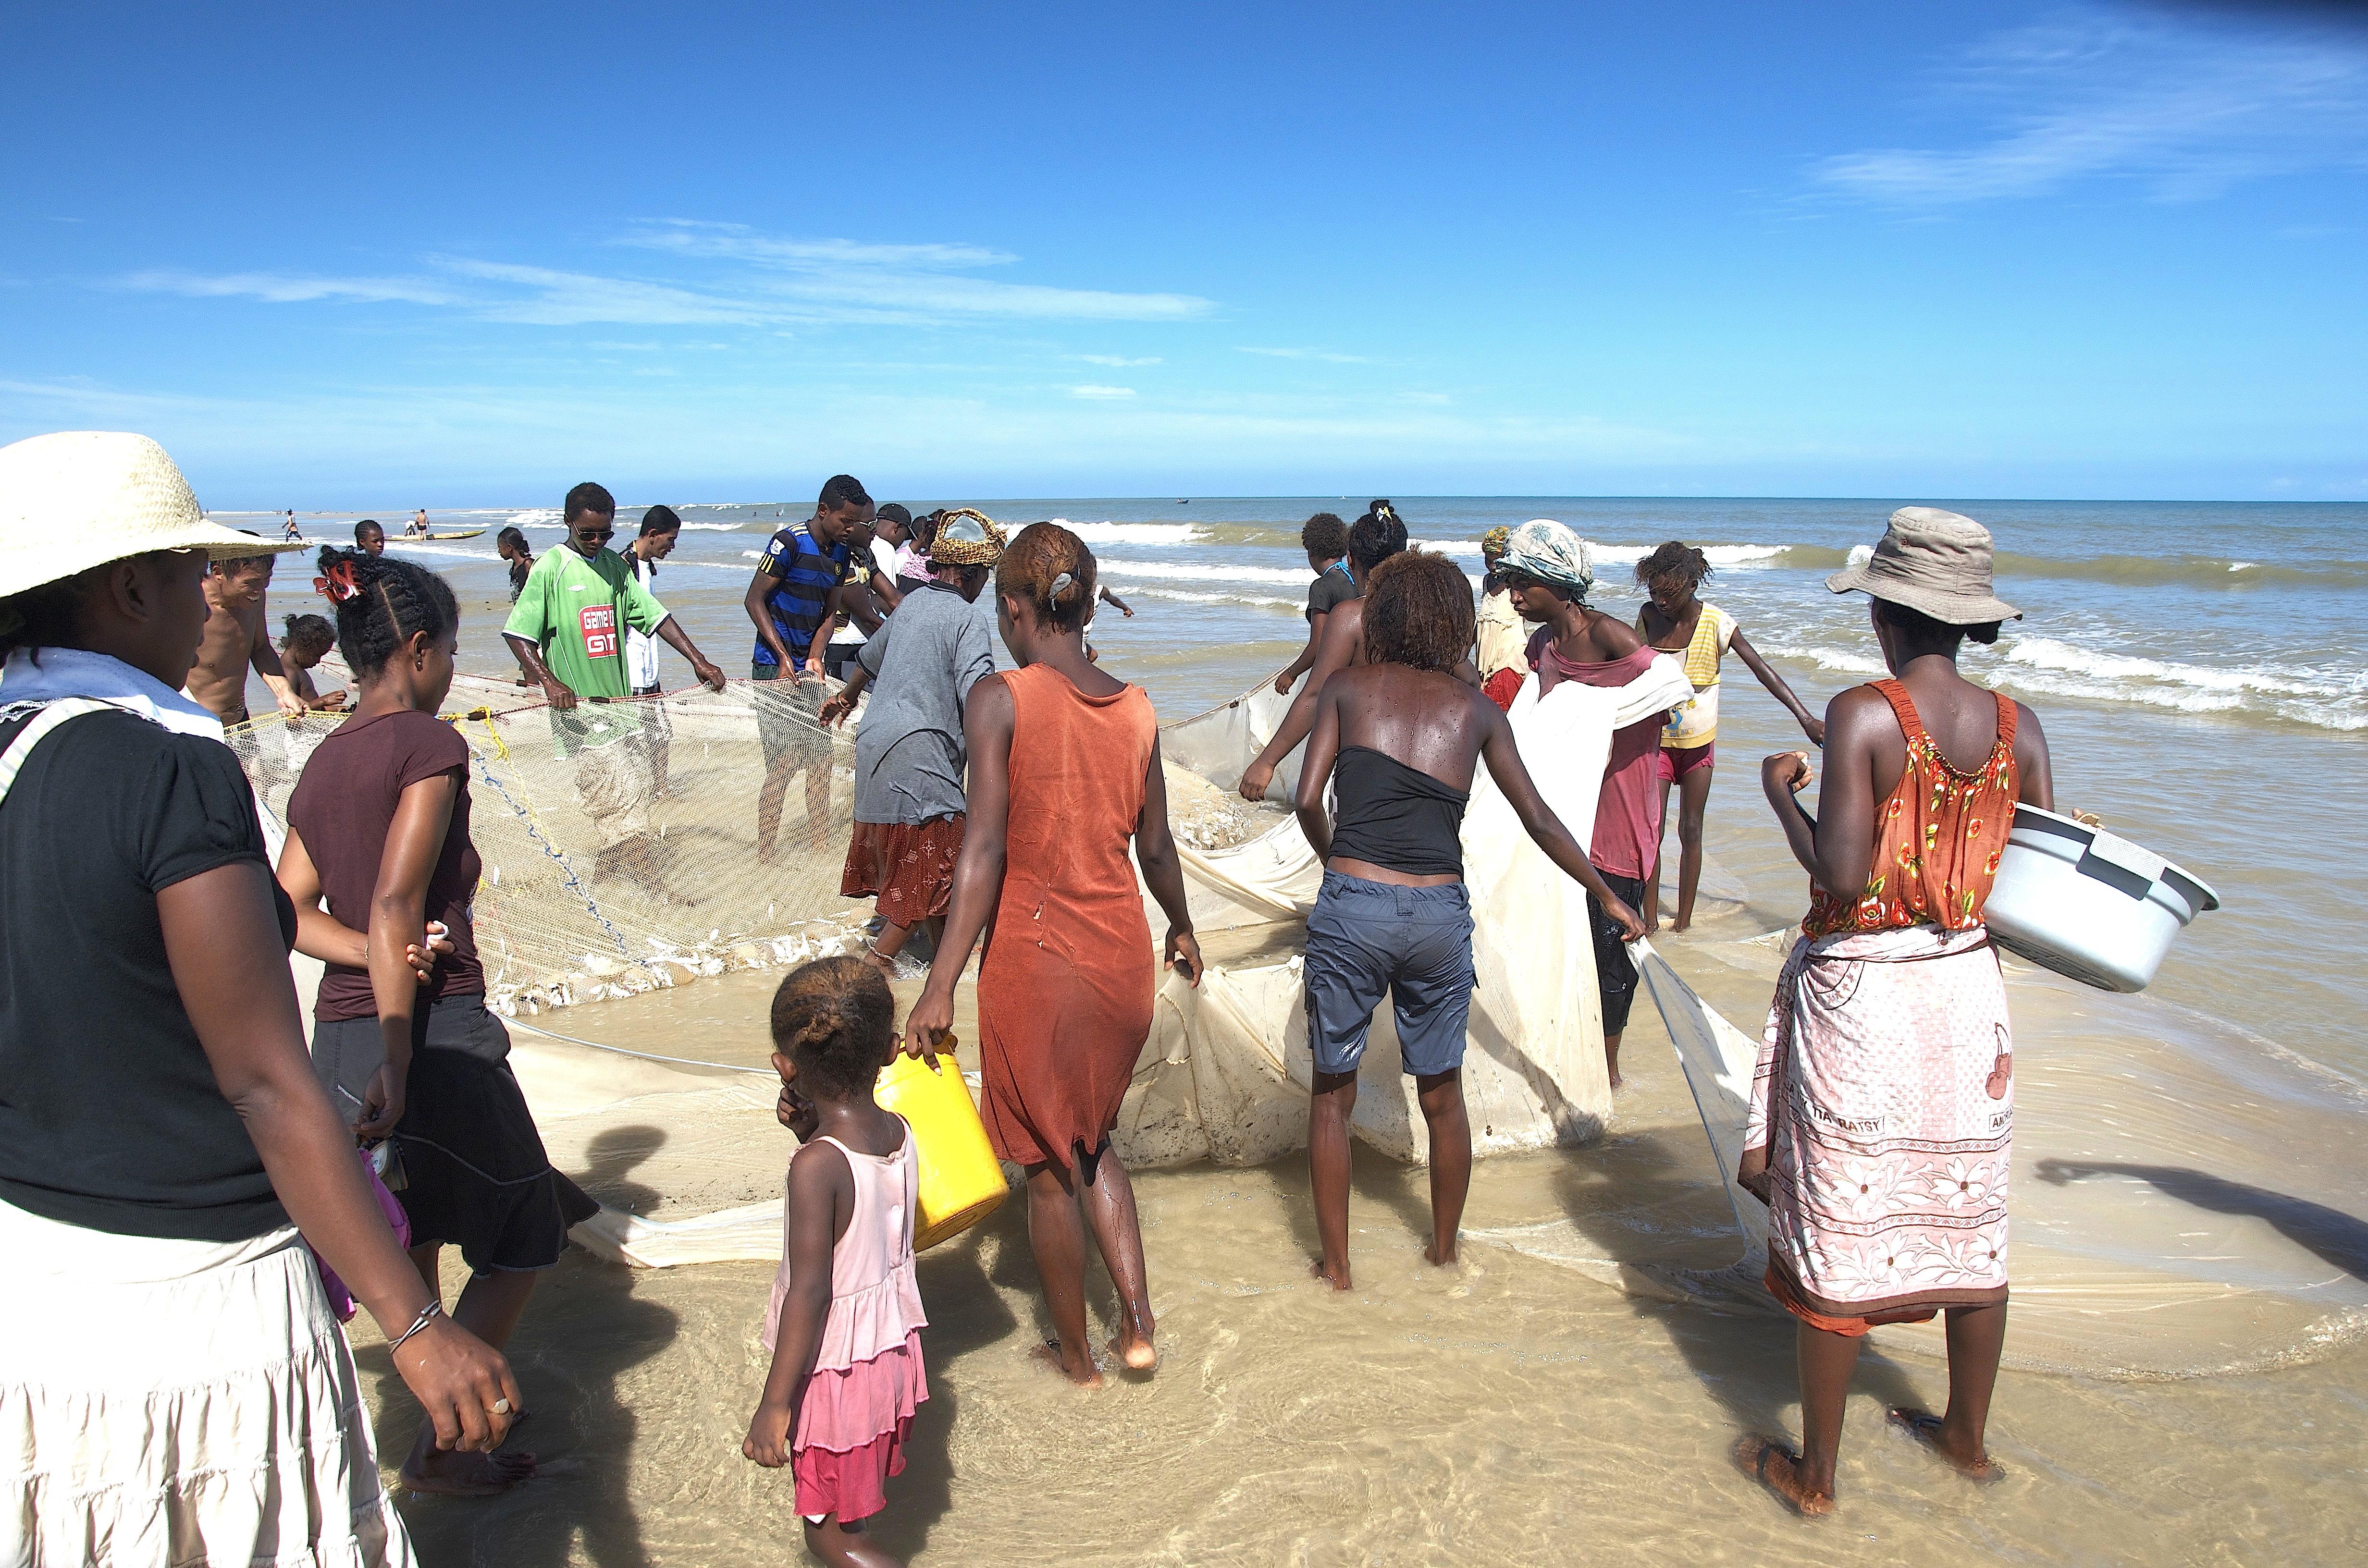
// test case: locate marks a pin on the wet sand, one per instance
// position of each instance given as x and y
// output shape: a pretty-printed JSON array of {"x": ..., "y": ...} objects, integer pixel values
[{"x": 1512, "y": 1409}]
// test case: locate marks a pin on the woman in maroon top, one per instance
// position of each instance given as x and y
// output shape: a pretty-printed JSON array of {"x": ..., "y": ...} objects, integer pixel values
[
  {"x": 1550, "y": 572},
  {"x": 379, "y": 828}
]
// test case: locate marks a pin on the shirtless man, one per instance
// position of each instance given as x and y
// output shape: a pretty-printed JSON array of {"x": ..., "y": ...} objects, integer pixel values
[
  {"x": 1377, "y": 536},
  {"x": 236, "y": 641},
  {"x": 418, "y": 527}
]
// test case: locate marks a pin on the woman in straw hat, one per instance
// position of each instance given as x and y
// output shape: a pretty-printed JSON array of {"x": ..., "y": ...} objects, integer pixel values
[
  {"x": 164, "y": 1141},
  {"x": 1065, "y": 778},
  {"x": 1883, "y": 1106},
  {"x": 909, "y": 755}
]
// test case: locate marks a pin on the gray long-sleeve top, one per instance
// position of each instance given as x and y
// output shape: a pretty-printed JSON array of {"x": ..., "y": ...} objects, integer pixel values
[{"x": 909, "y": 749}]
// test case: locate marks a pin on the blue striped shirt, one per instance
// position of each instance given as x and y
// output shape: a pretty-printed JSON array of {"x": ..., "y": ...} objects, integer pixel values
[{"x": 807, "y": 573}]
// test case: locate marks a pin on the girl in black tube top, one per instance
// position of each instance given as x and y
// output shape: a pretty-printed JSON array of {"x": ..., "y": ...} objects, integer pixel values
[{"x": 1403, "y": 736}]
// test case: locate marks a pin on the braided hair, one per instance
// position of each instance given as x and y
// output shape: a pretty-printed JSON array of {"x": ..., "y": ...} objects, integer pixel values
[
  {"x": 836, "y": 1018},
  {"x": 382, "y": 602},
  {"x": 1050, "y": 568},
  {"x": 1675, "y": 558}
]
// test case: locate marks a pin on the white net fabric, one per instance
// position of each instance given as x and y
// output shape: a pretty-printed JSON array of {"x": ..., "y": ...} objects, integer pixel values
[{"x": 562, "y": 917}]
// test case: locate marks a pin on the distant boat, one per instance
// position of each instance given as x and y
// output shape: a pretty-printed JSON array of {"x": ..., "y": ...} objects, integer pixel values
[
  {"x": 454, "y": 533},
  {"x": 1184, "y": 500}
]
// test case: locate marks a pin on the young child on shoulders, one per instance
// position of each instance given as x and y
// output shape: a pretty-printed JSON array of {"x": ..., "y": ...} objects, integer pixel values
[
  {"x": 307, "y": 642},
  {"x": 845, "y": 1320}
]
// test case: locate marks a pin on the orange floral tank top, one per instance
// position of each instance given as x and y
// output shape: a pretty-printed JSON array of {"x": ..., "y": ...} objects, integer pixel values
[{"x": 1937, "y": 839}]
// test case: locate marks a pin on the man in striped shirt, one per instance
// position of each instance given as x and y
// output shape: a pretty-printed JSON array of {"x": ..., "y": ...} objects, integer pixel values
[{"x": 799, "y": 586}]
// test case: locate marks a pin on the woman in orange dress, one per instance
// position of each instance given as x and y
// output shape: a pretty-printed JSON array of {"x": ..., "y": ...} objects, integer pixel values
[
  {"x": 1881, "y": 1119},
  {"x": 1064, "y": 773}
]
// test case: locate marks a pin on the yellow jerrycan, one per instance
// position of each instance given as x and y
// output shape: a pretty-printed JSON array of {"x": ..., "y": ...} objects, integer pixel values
[{"x": 961, "y": 1182}]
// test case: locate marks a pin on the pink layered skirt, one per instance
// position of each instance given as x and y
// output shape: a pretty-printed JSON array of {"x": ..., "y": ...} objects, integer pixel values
[{"x": 852, "y": 1427}]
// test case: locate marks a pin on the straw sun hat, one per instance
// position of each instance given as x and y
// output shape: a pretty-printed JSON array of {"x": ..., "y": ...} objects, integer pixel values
[
  {"x": 82, "y": 498},
  {"x": 1931, "y": 561}
]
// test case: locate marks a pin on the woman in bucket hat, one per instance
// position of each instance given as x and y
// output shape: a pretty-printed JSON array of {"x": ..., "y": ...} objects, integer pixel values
[
  {"x": 164, "y": 1139},
  {"x": 1882, "y": 1115}
]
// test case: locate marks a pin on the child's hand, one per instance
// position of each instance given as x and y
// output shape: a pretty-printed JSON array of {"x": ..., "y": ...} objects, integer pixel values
[
  {"x": 768, "y": 1442},
  {"x": 793, "y": 1110}
]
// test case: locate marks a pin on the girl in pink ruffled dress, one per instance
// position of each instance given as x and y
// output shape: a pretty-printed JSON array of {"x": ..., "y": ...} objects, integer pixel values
[{"x": 845, "y": 1321}]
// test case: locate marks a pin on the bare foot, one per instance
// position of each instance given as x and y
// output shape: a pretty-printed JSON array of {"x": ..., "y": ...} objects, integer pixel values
[
  {"x": 764, "y": 852},
  {"x": 1930, "y": 1430},
  {"x": 1618, "y": 1082},
  {"x": 1135, "y": 1355},
  {"x": 1049, "y": 1353},
  {"x": 445, "y": 1474},
  {"x": 1678, "y": 927},
  {"x": 1324, "y": 1272},
  {"x": 1431, "y": 1255},
  {"x": 1776, "y": 1467}
]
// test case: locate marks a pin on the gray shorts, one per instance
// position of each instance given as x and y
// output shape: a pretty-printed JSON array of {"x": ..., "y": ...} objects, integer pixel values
[
  {"x": 789, "y": 720},
  {"x": 1366, "y": 938}
]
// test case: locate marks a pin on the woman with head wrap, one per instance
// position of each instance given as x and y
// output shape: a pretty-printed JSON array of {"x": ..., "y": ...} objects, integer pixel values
[
  {"x": 1501, "y": 661},
  {"x": 1549, "y": 570},
  {"x": 909, "y": 755}
]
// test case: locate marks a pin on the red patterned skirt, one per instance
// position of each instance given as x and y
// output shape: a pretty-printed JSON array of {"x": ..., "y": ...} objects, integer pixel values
[{"x": 909, "y": 865}]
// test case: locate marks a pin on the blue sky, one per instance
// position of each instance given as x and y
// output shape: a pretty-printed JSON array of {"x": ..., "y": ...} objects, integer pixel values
[{"x": 443, "y": 257}]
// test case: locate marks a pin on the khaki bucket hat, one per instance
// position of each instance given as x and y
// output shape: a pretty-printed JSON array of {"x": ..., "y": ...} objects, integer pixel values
[
  {"x": 1931, "y": 561},
  {"x": 82, "y": 498}
]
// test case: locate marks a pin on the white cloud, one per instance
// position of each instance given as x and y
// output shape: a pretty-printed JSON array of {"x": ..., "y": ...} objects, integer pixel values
[
  {"x": 2189, "y": 109},
  {"x": 724, "y": 275},
  {"x": 1325, "y": 355},
  {"x": 1095, "y": 392},
  {"x": 1117, "y": 361}
]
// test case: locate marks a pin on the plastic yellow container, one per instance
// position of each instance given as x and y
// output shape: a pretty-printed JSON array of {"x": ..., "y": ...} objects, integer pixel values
[{"x": 962, "y": 1181}]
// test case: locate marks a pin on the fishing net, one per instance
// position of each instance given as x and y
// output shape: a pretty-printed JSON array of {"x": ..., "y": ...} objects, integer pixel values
[{"x": 565, "y": 912}]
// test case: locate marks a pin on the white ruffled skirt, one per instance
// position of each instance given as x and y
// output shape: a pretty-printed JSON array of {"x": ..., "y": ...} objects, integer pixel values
[{"x": 179, "y": 1403}]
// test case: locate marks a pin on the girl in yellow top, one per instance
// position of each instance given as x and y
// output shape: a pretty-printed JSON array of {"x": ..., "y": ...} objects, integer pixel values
[{"x": 1675, "y": 621}]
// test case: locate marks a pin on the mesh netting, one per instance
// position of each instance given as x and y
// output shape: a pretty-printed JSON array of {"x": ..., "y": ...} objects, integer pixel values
[{"x": 568, "y": 913}]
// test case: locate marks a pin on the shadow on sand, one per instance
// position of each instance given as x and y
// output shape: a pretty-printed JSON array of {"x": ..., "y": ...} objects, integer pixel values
[
  {"x": 2338, "y": 1238},
  {"x": 584, "y": 1330}
]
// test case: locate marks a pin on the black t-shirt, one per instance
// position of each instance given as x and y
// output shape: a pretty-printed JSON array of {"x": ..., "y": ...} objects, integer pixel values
[
  {"x": 1332, "y": 588},
  {"x": 109, "y": 1115}
]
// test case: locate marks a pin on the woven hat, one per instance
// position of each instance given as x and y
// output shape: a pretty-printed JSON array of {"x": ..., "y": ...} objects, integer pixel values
[
  {"x": 1550, "y": 553},
  {"x": 966, "y": 539},
  {"x": 82, "y": 498},
  {"x": 1931, "y": 561}
]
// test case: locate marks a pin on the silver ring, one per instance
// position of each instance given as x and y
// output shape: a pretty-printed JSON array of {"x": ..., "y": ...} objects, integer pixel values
[{"x": 501, "y": 1407}]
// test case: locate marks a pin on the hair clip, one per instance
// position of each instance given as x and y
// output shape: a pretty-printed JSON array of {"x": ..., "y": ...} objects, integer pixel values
[
  {"x": 1061, "y": 585},
  {"x": 338, "y": 585}
]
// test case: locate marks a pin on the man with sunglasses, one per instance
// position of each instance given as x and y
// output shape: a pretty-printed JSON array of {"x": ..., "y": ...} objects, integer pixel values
[{"x": 567, "y": 629}]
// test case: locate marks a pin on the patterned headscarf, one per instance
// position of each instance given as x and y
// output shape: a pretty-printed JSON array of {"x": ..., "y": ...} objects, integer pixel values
[
  {"x": 1550, "y": 553},
  {"x": 965, "y": 537},
  {"x": 1492, "y": 543}
]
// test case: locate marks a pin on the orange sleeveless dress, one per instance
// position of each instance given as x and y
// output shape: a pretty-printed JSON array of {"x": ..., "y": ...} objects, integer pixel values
[
  {"x": 1066, "y": 987},
  {"x": 1881, "y": 1126},
  {"x": 1938, "y": 840}
]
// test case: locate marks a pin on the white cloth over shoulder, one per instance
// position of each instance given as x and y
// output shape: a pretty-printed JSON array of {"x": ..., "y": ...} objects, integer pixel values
[{"x": 173, "y": 1402}]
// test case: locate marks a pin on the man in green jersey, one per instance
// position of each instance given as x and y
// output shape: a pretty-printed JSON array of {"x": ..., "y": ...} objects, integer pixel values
[{"x": 568, "y": 631}]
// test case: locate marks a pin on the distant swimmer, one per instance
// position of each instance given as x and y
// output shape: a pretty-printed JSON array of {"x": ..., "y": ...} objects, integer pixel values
[
  {"x": 1377, "y": 536},
  {"x": 1065, "y": 778},
  {"x": 235, "y": 641},
  {"x": 1325, "y": 538},
  {"x": 1550, "y": 572},
  {"x": 1677, "y": 622},
  {"x": 368, "y": 537},
  {"x": 1881, "y": 1130},
  {"x": 1397, "y": 739}
]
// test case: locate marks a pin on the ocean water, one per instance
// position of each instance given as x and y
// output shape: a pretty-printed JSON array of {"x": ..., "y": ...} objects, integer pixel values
[{"x": 2201, "y": 668}]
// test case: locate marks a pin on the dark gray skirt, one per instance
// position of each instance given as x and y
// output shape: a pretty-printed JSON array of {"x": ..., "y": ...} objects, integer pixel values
[{"x": 475, "y": 1172}]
